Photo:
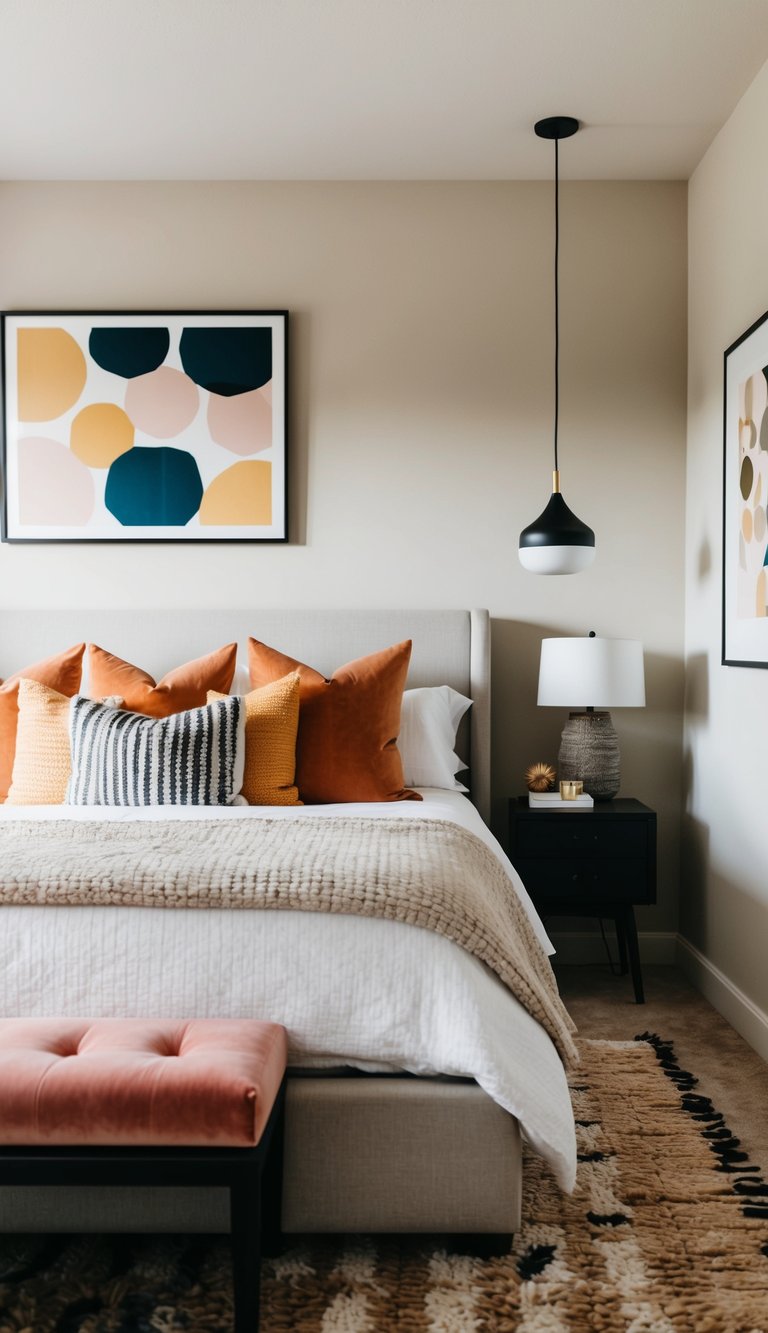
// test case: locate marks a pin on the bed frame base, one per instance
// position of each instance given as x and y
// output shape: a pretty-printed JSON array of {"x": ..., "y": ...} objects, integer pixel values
[{"x": 362, "y": 1154}]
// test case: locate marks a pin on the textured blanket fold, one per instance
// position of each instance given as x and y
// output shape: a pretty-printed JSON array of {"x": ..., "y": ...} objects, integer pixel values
[{"x": 428, "y": 873}]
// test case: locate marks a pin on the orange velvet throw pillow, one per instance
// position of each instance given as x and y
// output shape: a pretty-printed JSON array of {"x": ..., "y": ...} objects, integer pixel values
[
  {"x": 348, "y": 725},
  {"x": 185, "y": 687},
  {"x": 60, "y": 673}
]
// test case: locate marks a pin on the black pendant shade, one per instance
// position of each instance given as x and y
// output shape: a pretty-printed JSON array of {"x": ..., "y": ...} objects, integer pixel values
[
  {"x": 557, "y": 525},
  {"x": 557, "y": 542}
]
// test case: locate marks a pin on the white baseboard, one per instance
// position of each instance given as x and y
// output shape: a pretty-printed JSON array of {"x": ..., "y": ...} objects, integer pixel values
[
  {"x": 586, "y": 946},
  {"x": 668, "y": 948},
  {"x": 743, "y": 1014}
]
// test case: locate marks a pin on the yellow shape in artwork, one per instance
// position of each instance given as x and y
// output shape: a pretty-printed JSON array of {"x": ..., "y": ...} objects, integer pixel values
[
  {"x": 241, "y": 496},
  {"x": 51, "y": 373},
  {"x": 100, "y": 433}
]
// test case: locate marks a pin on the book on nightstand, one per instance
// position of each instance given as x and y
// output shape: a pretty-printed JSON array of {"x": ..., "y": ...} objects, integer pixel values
[{"x": 552, "y": 800}]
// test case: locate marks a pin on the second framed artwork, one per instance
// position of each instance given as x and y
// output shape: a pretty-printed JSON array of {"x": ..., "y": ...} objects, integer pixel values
[
  {"x": 145, "y": 427},
  {"x": 745, "y": 496}
]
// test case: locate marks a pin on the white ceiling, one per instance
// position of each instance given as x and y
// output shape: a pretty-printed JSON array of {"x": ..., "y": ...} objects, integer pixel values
[{"x": 367, "y": 89}]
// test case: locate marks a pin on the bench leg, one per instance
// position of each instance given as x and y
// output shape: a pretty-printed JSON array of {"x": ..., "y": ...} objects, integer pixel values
[
  {"x": 272, "y": 1185},
  {"x": 245, "y": 1221}
]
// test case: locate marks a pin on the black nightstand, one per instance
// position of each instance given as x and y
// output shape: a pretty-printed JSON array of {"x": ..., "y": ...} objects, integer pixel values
[{"x": 599, "y": 862}]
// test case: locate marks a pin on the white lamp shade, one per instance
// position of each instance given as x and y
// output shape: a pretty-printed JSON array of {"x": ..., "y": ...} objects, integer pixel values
[
  {"x": 556, "y": 559},
  {"x": 592, "y": 672}
]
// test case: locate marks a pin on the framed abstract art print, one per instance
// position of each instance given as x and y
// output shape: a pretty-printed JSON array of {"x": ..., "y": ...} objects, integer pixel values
[
  {"x": 145, "y": 427},
  {"x": 745, "y": 496}
]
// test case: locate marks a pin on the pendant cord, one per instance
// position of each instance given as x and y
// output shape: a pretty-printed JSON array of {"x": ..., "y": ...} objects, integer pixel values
[{"x": 557, "y": 296}]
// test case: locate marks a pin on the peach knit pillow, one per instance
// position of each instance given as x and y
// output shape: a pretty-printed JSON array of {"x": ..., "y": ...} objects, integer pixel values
[
  {"x": 43, "y": 763},
  {"x": 42, "y": 766},
  {"x": 271, "y": 724},
  {"x": 60, "y": 673}
]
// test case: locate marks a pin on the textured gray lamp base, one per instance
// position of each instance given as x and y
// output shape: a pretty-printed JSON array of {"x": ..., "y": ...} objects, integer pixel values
[{"x": 589, "y": 752}]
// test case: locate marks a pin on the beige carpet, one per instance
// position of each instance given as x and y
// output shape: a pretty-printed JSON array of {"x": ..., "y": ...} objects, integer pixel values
[
  {"x": 667, "y": 1232},
  {"x": 728, "y": 1069}
]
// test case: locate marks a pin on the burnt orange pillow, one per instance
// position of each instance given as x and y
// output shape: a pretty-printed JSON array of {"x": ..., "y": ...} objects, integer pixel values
[
  {"x": 185, "y": 687},
  {"x": 60, "y": 673},
  {"x": 348, "y": 725}
]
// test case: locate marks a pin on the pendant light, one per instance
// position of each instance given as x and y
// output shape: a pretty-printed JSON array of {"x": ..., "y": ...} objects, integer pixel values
[{"x": 557, "y": 542}]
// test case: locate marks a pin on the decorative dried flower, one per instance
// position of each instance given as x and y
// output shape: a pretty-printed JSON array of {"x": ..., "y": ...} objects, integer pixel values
[{"x": 540, "y": 777}]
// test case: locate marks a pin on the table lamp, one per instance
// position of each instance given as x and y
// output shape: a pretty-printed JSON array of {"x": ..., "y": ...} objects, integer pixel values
[{"x": 593, "y": 674}]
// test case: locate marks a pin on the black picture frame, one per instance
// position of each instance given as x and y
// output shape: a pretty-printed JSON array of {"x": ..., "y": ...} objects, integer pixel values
[
  {"x": 210, "y": 381},
  {"x": 745, "y": 499}
]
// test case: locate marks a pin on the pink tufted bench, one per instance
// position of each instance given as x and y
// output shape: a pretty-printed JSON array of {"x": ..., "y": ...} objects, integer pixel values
[{"x": 115, "y": 1101}]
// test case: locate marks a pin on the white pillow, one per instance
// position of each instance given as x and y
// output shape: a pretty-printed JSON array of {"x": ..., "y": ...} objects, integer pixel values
[
  {"x": 241, "y": 681},
  {"x": 429, "y": 721}
]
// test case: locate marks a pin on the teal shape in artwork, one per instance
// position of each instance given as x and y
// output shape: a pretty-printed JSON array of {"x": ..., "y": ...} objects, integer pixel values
[
  {"x": 227, "y": 361},
  {"x": 155, "y": 487},
  {"x": 129, "y": 351}
]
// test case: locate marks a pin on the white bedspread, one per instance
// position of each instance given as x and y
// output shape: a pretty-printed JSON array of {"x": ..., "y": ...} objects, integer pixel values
[{"x": 351, "y": 990}]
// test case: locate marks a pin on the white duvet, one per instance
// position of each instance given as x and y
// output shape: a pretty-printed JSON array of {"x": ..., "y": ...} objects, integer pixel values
[{"x": 378, "y": 995}]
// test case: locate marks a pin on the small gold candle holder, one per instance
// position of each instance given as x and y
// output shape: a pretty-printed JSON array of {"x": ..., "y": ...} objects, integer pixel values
[{"x": 570, "y": 790}]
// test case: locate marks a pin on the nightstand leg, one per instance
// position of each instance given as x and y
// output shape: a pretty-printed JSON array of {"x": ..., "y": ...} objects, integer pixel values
[
  {"x": 630, "y": 933},
  {"x": 621, "y": 940}
]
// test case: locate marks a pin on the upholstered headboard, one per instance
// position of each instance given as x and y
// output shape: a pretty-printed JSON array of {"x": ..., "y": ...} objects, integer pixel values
[{"x": 449, "y": 648}]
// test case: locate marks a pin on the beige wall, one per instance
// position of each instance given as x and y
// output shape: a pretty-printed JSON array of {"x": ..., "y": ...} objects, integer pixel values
[
  {"x": 725, "y": 901},
  {"x": 421, "y": 404}
]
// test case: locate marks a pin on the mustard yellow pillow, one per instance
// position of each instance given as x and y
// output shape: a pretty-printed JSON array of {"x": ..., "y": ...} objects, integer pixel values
[
  {"x": 271, "y": 724},
  {"x": 41, "y": 766}
]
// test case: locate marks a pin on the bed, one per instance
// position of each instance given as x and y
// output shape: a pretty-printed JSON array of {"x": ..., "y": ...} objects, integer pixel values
[{"x": 413, "y": 1068}]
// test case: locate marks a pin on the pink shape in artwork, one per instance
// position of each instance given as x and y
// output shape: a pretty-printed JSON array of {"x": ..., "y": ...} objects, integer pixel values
[
  {"x": 162, "y": 403},
  {"x": 242, "y": 423},
  {"x": 55, "y": 488}
]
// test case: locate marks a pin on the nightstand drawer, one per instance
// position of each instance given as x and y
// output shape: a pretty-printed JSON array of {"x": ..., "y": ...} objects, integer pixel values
[
  {"x": 564, "y": 834},
  {"x": 614, "y": 879}
]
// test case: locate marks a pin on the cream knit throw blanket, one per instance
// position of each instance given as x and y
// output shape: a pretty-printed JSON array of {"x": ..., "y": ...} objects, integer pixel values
[{"x": 427, "y": 873}]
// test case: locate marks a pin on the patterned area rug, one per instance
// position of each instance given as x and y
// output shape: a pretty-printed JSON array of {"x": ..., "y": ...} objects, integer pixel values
[{"x": 667, "y": 1232}]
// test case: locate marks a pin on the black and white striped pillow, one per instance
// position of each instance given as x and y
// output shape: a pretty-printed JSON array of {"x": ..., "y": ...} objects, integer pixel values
[{"x": 191, "y": 758}]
